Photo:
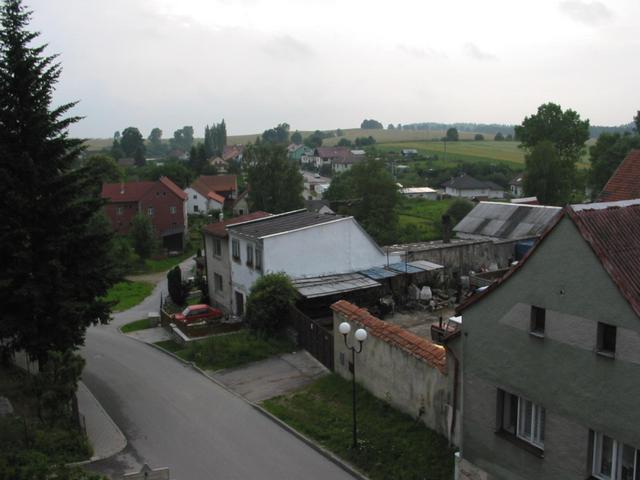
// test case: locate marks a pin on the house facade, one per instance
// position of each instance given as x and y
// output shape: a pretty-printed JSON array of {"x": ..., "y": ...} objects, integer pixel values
[
  {"x": 516, "y": 186},
  {"x": 162, "y": 201},
  {"x": 217, "y": 256},
  {"x": 551, "y": 356},
  {"x": 419, "y": 192},
  {"x": 466, "y": 186},
  {"x": 210, "y": 192},
  {"x": 300, "y": 244}
]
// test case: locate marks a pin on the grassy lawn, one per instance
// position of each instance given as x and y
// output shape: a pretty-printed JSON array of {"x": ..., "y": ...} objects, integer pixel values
[
  {"x": 420, "y": 219},
  {"x": 128, "y": 294},
  {"x": 392, "y": 444},
  {"x": 165, "y": 264},
  {"x": 137, "y": 325},
  {"x": 227, "y": 351}
]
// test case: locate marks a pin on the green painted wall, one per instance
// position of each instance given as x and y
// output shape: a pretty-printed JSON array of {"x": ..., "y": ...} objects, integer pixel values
[{"x": 579, "y": 389}]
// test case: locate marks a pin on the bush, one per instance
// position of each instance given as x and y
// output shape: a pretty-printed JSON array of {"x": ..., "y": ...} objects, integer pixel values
[
  {"x": 269, "y": 302},
  {"x": 458, "y": 210}
]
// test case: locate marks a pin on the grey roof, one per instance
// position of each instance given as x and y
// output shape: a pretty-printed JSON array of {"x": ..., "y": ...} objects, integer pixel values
[
  {"x": 426, "y": 265},
  {"x": 467, "y": 182},
  {"x": 282, "y": 223},
  {"x": 378, "y": 273},
  {"x": 506, "y": 220},
  {"x": 332, "y": 284},
  {"x": 403, "y": 267}
]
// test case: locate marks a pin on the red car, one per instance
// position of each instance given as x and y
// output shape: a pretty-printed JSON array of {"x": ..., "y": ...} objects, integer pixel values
[{"x": 198, "y": 313}]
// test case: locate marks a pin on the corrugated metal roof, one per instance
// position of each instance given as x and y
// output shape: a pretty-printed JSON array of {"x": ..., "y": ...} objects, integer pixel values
[
  {"x": 283, "y": 223},
  {"x": 426, "y": 265},
  {"x": 378, "y": 273},
  {"x": 403, "y": 267},
  {"x": 332, "y": 284},
  {"x": 507, "y": 220}
]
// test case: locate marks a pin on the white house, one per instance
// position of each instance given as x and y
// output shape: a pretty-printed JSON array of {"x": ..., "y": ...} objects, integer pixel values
[
  {"x": 516, "y": 185},
  {"x": 209, "y": 192},
  {"x": 419, "y": 192},
  {"x": 314, "y": 185},
  {"x": 468, "y": 187},
  {"x": 300, "y": 244}
]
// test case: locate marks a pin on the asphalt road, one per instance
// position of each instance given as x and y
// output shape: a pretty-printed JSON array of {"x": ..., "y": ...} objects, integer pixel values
[{"x": 174, "y": 417}]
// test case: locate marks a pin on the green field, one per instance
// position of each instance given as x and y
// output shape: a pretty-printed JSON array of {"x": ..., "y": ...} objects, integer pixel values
[
  {"x": 472, "y": 151},
  {"x": 420, "y": 219}
]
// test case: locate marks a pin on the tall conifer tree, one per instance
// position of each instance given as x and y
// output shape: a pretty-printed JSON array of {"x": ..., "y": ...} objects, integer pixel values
[{"x": 54, "y": 247}]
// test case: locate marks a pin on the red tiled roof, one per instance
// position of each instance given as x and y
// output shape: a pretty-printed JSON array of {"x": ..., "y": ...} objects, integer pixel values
[
  {"x": 166, "y": 181},
  {"x": 214, "y": 196},
  {"x": 219, "y": 229},
  {"x": 214, "y": 183},
  {"x": 613, "y": 233},
  {"x": 231, "y": 151},
  {"x": 126, "y": 192},
  {"x": 624, "y": 184},
  {"x": 419, "y": 347}
]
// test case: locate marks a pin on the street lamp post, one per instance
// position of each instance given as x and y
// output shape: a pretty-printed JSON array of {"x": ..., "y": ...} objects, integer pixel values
[{"x": 360, "y": 335}]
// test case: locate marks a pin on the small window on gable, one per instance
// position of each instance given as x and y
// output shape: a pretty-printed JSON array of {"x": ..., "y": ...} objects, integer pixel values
[
  {"x": 150, "y": 211},
  {"x": 172, "y": 210},
  {"x": 606, "y": 339},
  {"x": 538, "y": 320}
]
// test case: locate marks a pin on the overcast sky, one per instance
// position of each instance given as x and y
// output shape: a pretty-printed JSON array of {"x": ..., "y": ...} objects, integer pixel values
[{"x": 323, "y": 64}]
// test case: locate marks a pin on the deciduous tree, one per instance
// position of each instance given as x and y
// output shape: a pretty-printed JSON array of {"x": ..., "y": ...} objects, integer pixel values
[
  {"x": 143, "y": 236},
  {"x": 269, "y": 302},
  {"x": 548, "y": 176},
  {"x": 276, "y": 183},
  {"x": 452, "y": 135},
  {"x": 606, "y": 155},
  {"x": 55, "y": 265},
  {"x": 132, "y": 142},
  {"x": 296, "y": 137},
  {"x": 277, "y": 135}
]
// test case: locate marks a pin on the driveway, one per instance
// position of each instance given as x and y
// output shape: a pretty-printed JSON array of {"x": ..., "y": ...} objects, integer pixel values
[{"x": 175, "y": 417}]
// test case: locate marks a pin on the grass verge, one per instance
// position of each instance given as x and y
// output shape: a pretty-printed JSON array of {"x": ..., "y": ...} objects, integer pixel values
[
  {"x": 228, "y": 351},
  {"x": 420, "y": 220},
  {"x": 392, "y": 444},
  {"x": 128, "y": 294},
  {"x": 137, "y": 325}
]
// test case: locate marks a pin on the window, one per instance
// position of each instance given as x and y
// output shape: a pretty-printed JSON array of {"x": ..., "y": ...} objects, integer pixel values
[
  {"x": 195, "y": 196},
  {"x": 250, "y": 255},
  {"x": 172, "y": 210},
  {"x": 613, "y": 460},
  {"x": 606, "y": 339},
  {"x": 241, "y": 211},
  {"x": 521, "y": 418},
  {"x": 150, "y": 211},
  {"x": 119, "y": 211},
  {"x": 217, "y": 282},
  {"x": 258, "y": 259},
  {"x": 537, "y": 321},
  {"x": 195, "y": 208},
  {"x": 217, "y": 247},
  {"x": 235, "y": 249}
]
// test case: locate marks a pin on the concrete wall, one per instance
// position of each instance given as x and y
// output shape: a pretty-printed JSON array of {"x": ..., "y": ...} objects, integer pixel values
[
  {"x": 392, "y": 374},
  {"x": 579, "y": 389},
  {"x": 464, "y": 256}
]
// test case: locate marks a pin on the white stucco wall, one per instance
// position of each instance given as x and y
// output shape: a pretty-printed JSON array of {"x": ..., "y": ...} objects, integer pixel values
[
  {"x": 330, "y": 248},
  {"x": 484, "y": 192},
  {"x": 220, "y": 265},
  {"x": 194, "y": 198}
]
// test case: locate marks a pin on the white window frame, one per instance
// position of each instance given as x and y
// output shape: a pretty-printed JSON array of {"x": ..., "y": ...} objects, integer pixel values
[
  {"x": 249, "y": 255},
  {"x": 172, "y": 210},
  {"x": 258, "y": 259},
  {"x": 235, "y": 249},
  {"x": 536, "y": 427},
  {"x": 616, "y": 459},
  {"x": 119, "y": 211},
  {"x": 217, "y": 247},
  {"x": 218, "y": 282},
  {"x": 150, "y": 211}
]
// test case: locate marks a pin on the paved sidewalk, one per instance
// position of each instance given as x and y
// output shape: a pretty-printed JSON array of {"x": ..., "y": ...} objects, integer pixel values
[
  {"x": 151, "y": 335},
  {"x": 274, "y": 376},
  {"x": 104, "y": 435}
]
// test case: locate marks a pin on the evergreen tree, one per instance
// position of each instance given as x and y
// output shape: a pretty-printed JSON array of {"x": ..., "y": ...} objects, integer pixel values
[{"x": 55, "y": 258}]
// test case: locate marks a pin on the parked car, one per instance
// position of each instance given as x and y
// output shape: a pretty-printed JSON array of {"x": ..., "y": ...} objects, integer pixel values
[{"x": 198, "y": 313}]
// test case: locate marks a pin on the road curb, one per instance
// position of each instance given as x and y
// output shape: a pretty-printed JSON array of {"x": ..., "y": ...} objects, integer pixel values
[{"x": 344, "y": 465}]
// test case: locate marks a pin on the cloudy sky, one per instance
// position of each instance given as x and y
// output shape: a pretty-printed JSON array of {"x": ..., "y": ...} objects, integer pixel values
[{"x": 321, "y": 64}]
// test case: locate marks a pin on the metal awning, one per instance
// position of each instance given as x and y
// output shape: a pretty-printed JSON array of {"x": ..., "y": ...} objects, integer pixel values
[
  {"x": 426, "y": 265},
  {"x": 332, "y": 284},
  {"x": 378, "y": 273},
  {"x": 403, "y": 267}
]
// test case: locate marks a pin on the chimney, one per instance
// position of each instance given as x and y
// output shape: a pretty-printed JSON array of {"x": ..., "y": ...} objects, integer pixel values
[{"x": 446, "y": 228}]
